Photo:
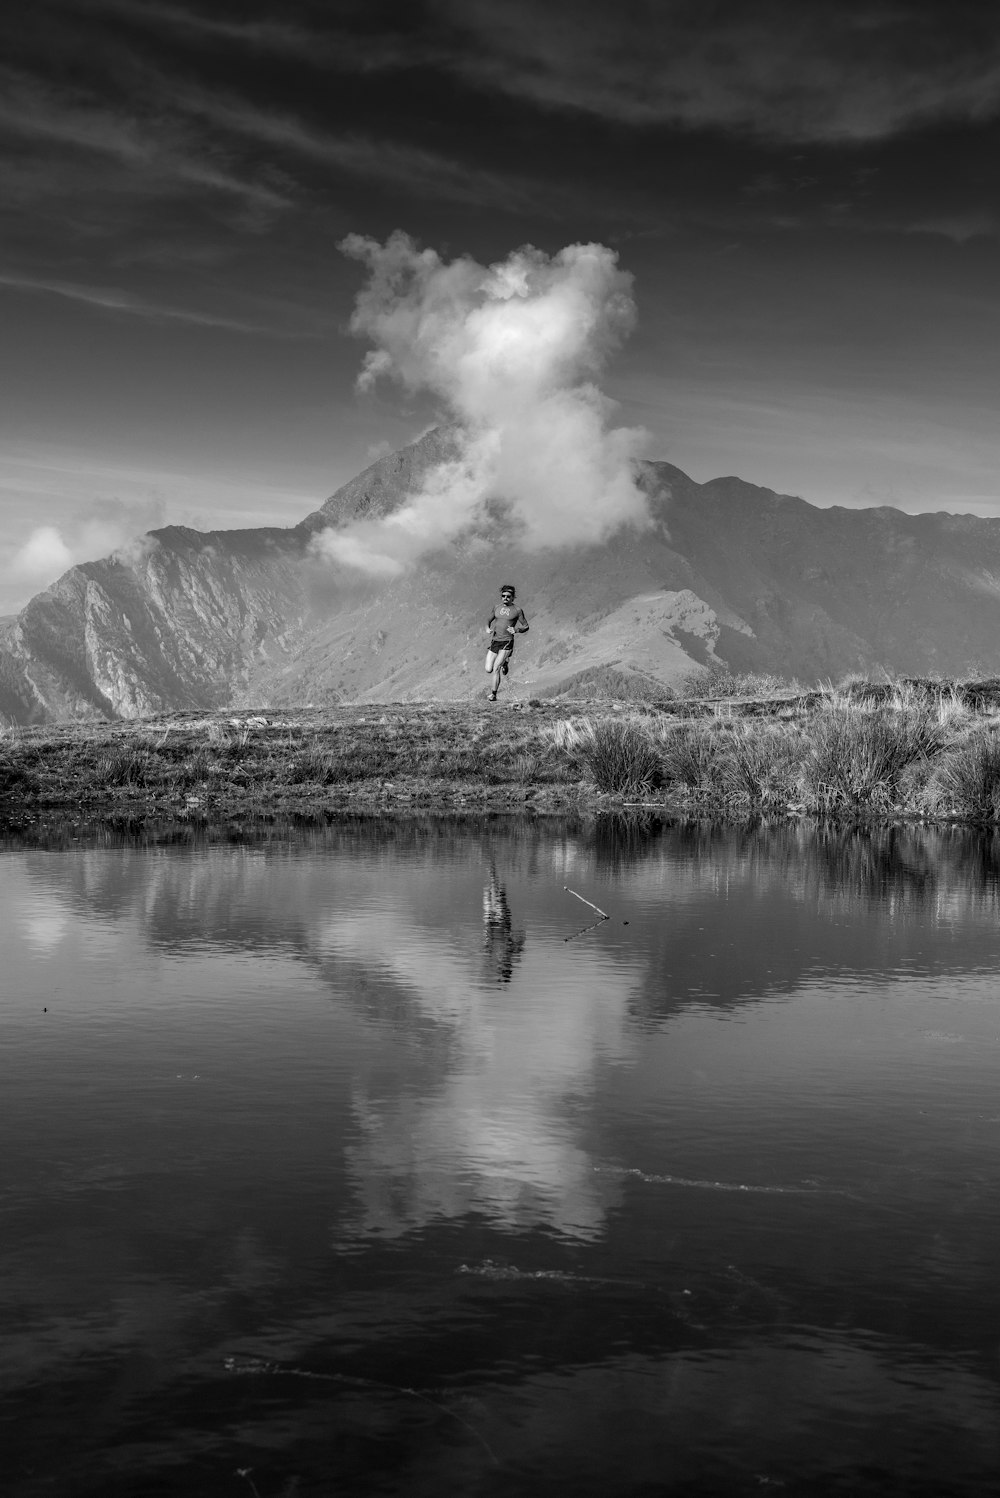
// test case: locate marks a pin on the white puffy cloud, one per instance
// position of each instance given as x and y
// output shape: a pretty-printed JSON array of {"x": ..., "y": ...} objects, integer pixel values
[
  {"x": 512, "y": 351},
  {"x": 107, "y": 526},
  {"x": 43, "y": 556}
]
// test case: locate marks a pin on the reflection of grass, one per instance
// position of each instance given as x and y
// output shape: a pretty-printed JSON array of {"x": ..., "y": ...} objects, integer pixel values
[{"x": 859, "y": 749}]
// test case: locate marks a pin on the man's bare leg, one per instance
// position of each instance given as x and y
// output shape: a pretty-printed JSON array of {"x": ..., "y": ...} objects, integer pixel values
[{"x": 500, "y": 659}]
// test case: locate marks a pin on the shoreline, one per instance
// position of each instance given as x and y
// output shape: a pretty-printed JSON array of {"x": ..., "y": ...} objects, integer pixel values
[{"x": 864, "y": 753}]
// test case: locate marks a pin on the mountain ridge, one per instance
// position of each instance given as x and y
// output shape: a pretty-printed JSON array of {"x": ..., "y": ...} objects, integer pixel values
[{"x": 728, "y": 572}]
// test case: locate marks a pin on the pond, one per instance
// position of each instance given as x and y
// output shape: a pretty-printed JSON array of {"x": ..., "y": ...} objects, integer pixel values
[{"x": 369, "y": 1159}]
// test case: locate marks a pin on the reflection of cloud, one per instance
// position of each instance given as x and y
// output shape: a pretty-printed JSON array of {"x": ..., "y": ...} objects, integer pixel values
[
  {"x": 43, "y": 925},
  {"x": 495, "y": 1137}
]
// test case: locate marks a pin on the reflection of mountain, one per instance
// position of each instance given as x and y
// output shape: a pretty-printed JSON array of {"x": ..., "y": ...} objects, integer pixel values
[
  {"x": 466, "y": 1100},
  {"x": 265, "y": 897},
  {"x": 396, "y": 933},
  {"x": 742, "y": 912}
]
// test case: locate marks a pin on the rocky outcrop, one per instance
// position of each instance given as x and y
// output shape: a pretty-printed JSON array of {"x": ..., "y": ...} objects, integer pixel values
[
  {"x": 185, "y": 620},
  {"x": 178, "y": 621}
]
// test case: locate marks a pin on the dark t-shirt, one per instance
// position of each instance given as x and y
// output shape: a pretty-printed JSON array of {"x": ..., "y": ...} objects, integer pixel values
[{"x": 505, "y": 614}]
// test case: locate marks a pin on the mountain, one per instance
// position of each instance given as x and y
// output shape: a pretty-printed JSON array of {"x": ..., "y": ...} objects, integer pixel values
[{"x": 729, "y": 572}]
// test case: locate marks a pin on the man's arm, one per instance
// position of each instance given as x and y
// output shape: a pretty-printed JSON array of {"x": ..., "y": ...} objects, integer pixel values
[{"x": 522, "y": 624}]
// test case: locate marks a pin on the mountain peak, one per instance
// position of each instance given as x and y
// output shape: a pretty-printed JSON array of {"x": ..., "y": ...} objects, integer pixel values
[{"x": 385, "y": 483}]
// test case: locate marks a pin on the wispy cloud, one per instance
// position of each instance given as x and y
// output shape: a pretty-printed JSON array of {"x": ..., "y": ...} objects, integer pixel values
[
  {"x": 30, "y": 109},
  {"x": 114, "y": 299},
  {"x": 780, "y": 69},
  {"x": 343, "y": 41},
  {"x": 959, "y": 226},
  {"x": 160, "y": 155},
  {"x": 412, "y": 168}
]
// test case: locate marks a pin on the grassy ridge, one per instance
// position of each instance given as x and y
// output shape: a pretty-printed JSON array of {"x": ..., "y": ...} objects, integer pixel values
[{"x": 862, "y": 750}]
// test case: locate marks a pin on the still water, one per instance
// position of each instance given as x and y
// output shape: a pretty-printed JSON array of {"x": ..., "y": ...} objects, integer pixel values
[{"x": 350, "y": 1162}]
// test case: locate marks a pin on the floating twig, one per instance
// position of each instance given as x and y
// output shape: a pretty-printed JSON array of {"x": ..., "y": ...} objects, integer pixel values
[{"x": 602, "y": 913}]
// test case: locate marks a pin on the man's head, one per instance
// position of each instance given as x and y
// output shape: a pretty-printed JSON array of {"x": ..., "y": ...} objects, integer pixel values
[{"x": 507, "y": 593}]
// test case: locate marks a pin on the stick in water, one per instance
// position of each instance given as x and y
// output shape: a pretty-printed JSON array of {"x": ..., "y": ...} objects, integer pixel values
[{"x": 602, "y": 913}]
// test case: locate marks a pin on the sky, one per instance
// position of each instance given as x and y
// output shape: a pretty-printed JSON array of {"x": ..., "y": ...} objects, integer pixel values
[{"x": 804, "y": 194}]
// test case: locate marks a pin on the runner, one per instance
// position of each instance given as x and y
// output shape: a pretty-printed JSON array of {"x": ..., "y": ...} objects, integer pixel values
[{"x": 507, "y": 619}]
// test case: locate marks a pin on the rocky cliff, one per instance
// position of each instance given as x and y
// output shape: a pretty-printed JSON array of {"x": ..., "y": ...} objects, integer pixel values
[{"x": 730, "y": 572}]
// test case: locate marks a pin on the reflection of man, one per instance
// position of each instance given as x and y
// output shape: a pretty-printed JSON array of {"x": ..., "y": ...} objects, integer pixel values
[{"x": 501, "y": 944}]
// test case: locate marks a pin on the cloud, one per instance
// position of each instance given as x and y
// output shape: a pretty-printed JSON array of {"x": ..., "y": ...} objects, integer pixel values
[
  {"x": 116, "y": 300},
  {"x": 367, "y": 42},
  {"x": 43, "y": 556},
  {"x": 108, "y": 526},
  {"x": 512, "y": 351},
  {"x": 780, "y": 69},
  {"x": 155, "y": 157},
  {"x": 414, "y": 169},
  {"x": 959, "y": 226}
]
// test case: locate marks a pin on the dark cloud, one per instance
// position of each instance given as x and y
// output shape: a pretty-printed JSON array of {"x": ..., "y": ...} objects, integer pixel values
[
  {"x": 787, "y": 70},
  {"x": 606, "y": 118}
]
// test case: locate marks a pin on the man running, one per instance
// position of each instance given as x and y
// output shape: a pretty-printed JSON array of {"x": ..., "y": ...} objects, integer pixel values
[{"x": 507, "y": 620}]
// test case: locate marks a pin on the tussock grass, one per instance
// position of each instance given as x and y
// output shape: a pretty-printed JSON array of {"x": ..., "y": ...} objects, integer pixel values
[
  {"x": 761, "y": 768},
  {"x": 858, "y": 756},
  {"x": 569, "y": 733},
  {"x": 124, "y": 766},
  {"x": 693, "y": 758},
  {"x": 622, "y": 757},
  {"x": 714, "y": 681},
  {"x": 312, "y": 766},
  {"x": 968, "y": 782}
]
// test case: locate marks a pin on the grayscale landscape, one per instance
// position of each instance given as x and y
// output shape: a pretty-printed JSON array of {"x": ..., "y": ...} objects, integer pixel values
[{"x": 499, "y": 749}]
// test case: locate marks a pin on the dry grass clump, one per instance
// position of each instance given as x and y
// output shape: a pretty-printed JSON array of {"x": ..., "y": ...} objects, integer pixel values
[
  {"x": 622, "y": 757},
  {"x": 967, "y": 784},
  {"x": 314, "y": 765},
  {"x": 861, "y": 757},
  {"x": 569, "y": 734},
  {"x": 761, "y": 765},
  {"x": 125, "y": 765},
  {"x": 713, "y": 681},
  {"x": 951, "y": 703},
  {"x": 693, "y": 758}
]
